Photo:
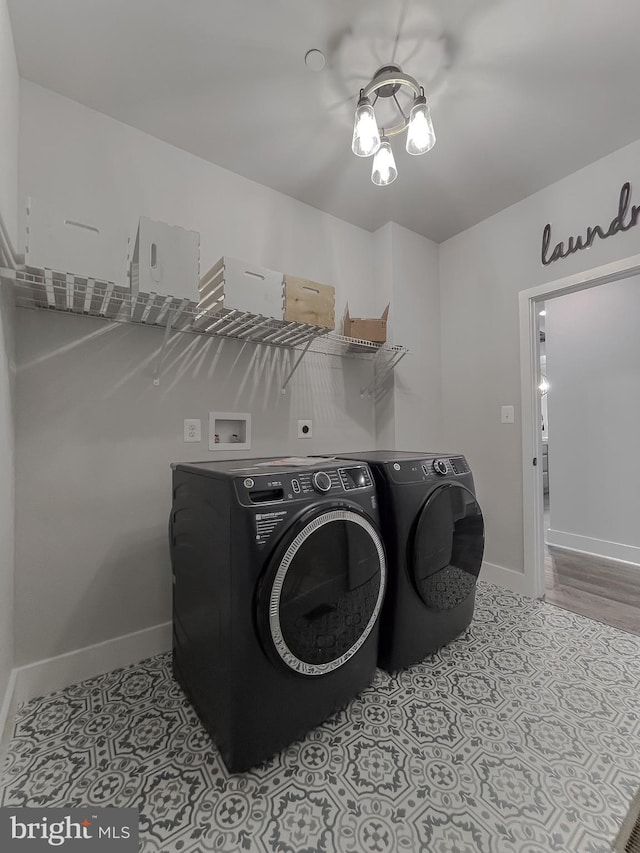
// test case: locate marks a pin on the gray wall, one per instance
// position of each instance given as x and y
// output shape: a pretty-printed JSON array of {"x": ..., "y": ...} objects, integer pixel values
[
  {"x": 593, "y": 367},
  {"x": 416, "y": 322},
  {"x": 482, "y": 272},
  {"x": 9, "y": 106},
  {"x": 409, "y": 409},
  {"x": 94, "y": 442}
]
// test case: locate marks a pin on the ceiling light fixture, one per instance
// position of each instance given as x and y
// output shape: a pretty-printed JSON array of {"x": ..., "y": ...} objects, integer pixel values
[{"x": 387, "y": 83}]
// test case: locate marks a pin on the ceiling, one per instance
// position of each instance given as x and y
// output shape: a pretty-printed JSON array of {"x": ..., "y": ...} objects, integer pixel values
[{"x": 522, "y": 93}]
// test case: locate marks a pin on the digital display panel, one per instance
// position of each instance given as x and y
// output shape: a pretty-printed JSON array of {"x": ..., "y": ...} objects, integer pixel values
[{"x": 356, "y": 477}]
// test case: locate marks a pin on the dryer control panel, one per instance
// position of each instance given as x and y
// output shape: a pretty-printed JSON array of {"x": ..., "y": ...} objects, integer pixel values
[{"x": 432, "y": 468}]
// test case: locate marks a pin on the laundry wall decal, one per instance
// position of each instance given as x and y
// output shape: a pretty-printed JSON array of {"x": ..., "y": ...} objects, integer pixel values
[{"x": 626, "y": 217}]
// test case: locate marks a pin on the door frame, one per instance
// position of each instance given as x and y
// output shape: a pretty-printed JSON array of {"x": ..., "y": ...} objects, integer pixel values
[{"x": 532, "y": 504}]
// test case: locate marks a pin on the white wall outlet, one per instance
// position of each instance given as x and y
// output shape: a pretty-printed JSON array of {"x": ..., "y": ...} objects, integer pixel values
[
  {"x": 507, "y": 415},
  {"x": 305, "y": 429},
  {"x": 192, "y": 429}
]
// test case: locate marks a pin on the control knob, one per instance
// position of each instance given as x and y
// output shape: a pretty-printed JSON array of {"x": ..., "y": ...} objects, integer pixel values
[
  {"x": 321, "y": 481},
  {"x": 440, "y": 466}
]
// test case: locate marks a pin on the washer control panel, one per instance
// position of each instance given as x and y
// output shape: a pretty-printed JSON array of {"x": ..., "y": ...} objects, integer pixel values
[
  {"x": 358, "y": 477},
  {"x": 321, "y": 481},
  {"x": 440, "y": 466},
  {"x": 270, "y": 488}
]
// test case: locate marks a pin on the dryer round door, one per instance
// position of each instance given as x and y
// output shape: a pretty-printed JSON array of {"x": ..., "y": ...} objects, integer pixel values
[
  {"x": 323, "y": 590},
  {"x": 447, "y": 547}
]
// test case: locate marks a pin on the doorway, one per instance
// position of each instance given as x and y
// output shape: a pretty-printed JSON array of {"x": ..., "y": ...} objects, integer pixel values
[{"x": 562, "y": 566}]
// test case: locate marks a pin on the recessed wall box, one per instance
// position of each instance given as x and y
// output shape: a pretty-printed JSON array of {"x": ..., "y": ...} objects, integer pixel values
[{"x": 229, "y": 431}]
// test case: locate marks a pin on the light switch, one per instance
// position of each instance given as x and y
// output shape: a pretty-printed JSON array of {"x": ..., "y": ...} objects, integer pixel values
[{"x": 507, "y": 415}]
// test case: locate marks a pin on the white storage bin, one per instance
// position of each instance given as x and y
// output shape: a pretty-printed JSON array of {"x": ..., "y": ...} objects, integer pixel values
[
  {"x": 81, "y": 242},
  {"x": 165, "y": 259},
  {"x": 235, "y": 284}
]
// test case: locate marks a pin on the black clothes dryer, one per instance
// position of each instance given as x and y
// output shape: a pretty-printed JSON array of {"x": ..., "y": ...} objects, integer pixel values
[
  {"x": 434, "y": 536},
  {"x": 278, "y": 581}
]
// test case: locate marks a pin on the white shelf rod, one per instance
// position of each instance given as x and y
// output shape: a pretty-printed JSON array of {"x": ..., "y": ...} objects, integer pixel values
[
  {"x": 106, "y": 299},
  {"x": 48, "y": 283},
  {"x": 147, "y": 310},
  {"x": 295, "y": 366},
  {"x": 88, "y": 296},
  {"x": 165, "y": 339},
  {"x": 377, "y": 381}
]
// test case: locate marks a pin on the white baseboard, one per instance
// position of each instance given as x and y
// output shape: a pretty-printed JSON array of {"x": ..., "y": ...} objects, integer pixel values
[
  {"x": 507, "y": 578},
  {"x": 593, "y": 547},
  {"x": 7, "y": 712},
  {"x": 46, "y": 676}
]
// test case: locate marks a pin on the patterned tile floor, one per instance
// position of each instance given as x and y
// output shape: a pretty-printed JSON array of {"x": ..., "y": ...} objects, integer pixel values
[{"x": 523, "y": 736}]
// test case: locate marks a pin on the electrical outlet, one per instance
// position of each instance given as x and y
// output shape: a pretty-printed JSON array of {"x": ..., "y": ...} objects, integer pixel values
[
  {"x": 192, "y": 429},
  {"x": 305, "y": 429}
]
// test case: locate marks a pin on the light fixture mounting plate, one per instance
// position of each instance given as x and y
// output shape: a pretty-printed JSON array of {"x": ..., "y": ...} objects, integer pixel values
[
  {"x": 389, "y": 79},
  {"x": 388, "y": 90}
]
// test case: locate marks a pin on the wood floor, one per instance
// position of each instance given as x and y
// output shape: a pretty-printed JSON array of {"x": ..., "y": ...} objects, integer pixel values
[{"x": 604, "y": 590}]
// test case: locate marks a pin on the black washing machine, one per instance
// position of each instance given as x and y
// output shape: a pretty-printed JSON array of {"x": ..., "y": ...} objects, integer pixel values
[
  {"x": 434, "y": 536},
  {"x": 278, "y": 580}
]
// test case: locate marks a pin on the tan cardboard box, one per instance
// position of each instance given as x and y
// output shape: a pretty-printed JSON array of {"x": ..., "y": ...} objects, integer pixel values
[{"x": 365, "y": 328}]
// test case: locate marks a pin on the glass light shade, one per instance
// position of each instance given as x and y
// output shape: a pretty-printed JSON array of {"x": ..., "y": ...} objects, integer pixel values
[
  {"x": 421, "y": 136},
  {"x": 366, "y": 136},
  {"x": 384, "y": 170},
  {"x": 544, "y": 385}
]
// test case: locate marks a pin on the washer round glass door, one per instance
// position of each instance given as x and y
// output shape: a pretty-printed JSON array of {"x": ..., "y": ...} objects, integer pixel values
[
  {"x": 448, "y": 545},
  {"x": 326, "y": 591}
]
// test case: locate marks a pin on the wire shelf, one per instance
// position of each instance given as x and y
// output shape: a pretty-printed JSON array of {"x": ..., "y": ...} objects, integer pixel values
[{"x": 66, "y": 292}]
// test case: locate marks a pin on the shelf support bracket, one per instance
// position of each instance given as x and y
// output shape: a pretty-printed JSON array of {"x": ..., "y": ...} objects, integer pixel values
[
  {"x": 296, "y": 365},
  {"x": 163, "y": 348},
  {"x": 377, "y": 380}
]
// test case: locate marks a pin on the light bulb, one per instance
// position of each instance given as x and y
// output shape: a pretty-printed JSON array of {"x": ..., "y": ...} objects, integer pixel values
[
  {"x": 366, "y": 136},
  {"x": 384, "y": 170},
  {"x": 544, "y": 385},
  {"x": 421, "y": 136}
]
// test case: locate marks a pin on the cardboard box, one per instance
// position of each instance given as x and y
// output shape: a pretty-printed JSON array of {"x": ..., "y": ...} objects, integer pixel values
[
  {"x": 365, "y": 328},
  {"x": 165, "y": 259},
  {"x": 309, "y": 302},
  {"x": 236, "y": 284}
]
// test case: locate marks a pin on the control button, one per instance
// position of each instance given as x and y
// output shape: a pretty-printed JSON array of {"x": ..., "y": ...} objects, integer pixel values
[
  {"x": 295, "y": 485},
  {"x": 425, "y": 470},
  {"x": 440, "y": 466},
  {"x": 396, "y": 466},
  {"x": 321, "y": 481},
  {"x": 248, "y": 483}
]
